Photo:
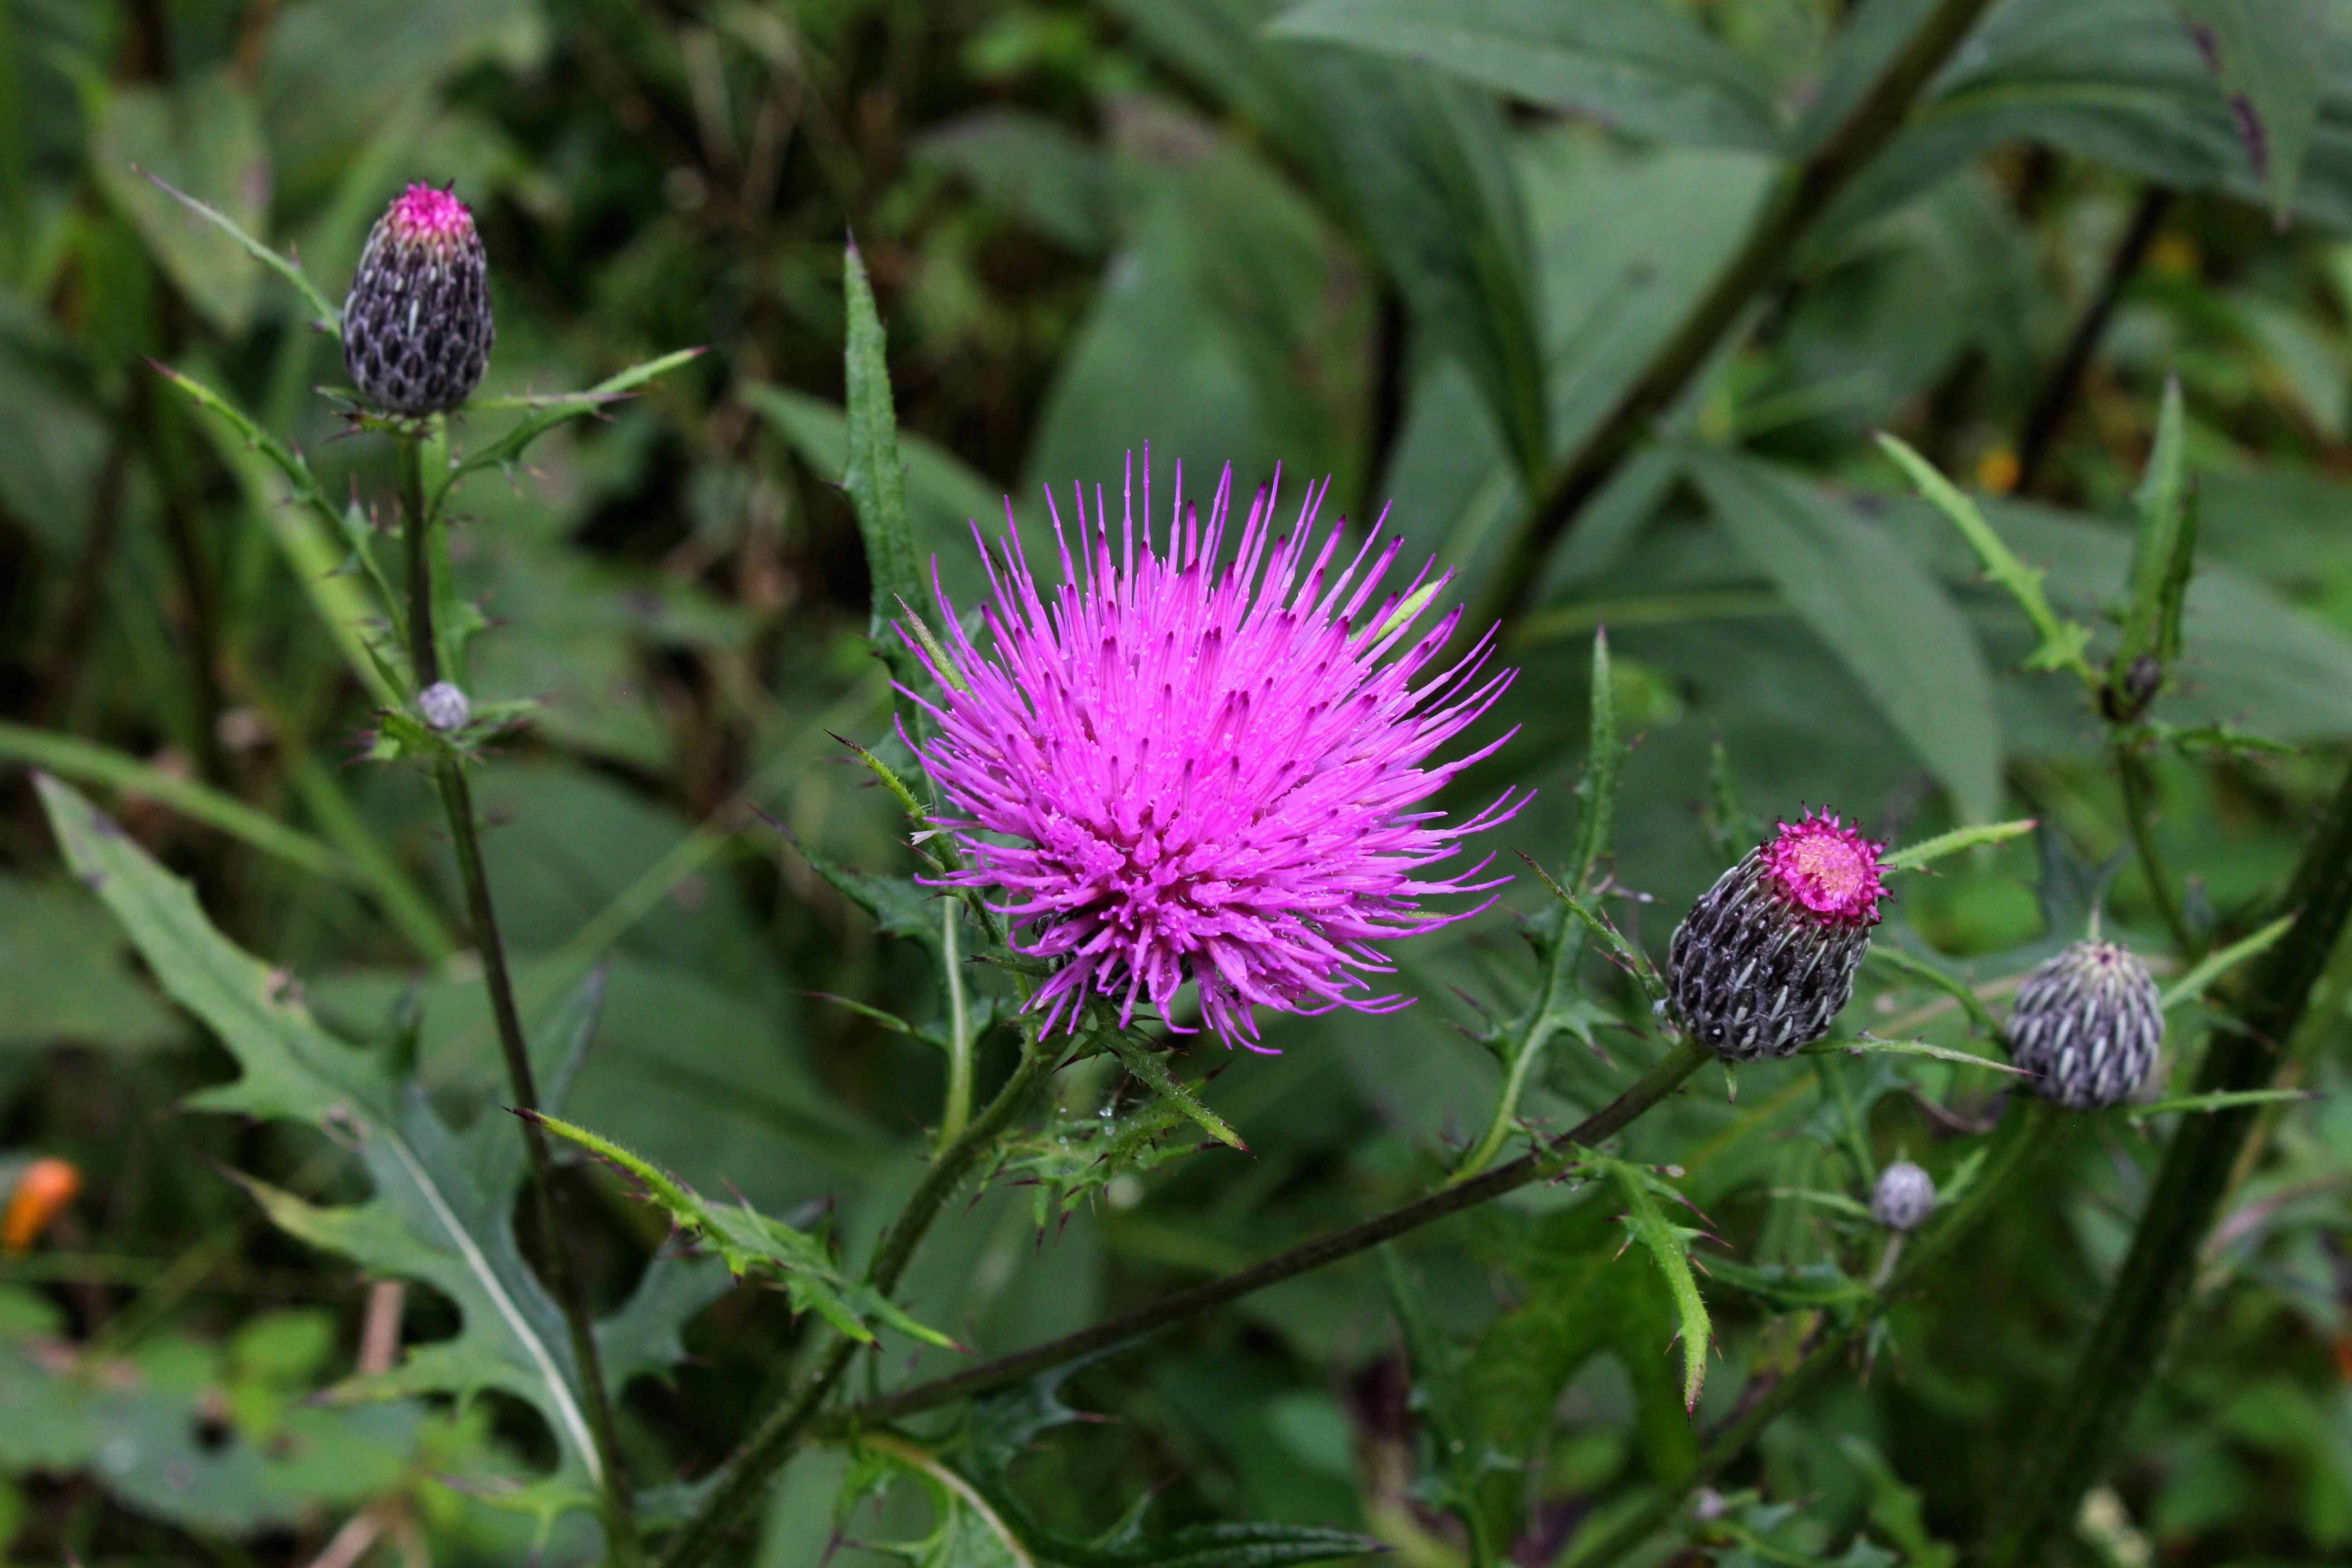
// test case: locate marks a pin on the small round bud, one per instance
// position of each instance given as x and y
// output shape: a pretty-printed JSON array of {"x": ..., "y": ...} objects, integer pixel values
[
  {"x": 444, "y": 705},
  {"x": 1766, "y": 957},
  {"x": 416, "y": 327},
  {"x": 2088, "y": 1024},
  {"x": 1706, "y": 1505},
  {"x": 1904, "y": 1198}
]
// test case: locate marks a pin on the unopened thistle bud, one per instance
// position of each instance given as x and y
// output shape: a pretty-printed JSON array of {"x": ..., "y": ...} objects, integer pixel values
[
  {"x": 1904, "y": 1198},
  {"x": 416, "y": 327},
  {"x": 1766, "y": 956},
  {"x": 2087, "y": 1024},
  {"x": 444, "y": 707}
]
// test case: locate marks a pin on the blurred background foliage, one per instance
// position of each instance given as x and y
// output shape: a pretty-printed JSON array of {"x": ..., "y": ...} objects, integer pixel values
[{"x": 1424, "y": 248}]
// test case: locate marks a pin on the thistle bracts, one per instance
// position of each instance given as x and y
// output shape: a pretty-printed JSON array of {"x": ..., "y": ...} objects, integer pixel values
[
  {"x": 2087, "y": 1024},
  {"x": 1766, "y": 957},
  {"x": 1904, "y": 1197},
  {"x": 416, "y": 327}
]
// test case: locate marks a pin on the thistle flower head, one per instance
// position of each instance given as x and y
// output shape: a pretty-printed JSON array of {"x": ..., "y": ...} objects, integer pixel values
[
  {"x": 2088, "y": 1023},
  {"x": 1766, "y": 957},
  {"x": 1904, "y": 1197},
  {"x": 1181, "y": 767},
  {"x": 416, "y": 326}
]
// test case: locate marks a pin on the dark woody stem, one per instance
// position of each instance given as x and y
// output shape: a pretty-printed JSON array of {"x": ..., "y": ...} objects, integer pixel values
[{"x": 482, "y": 915}]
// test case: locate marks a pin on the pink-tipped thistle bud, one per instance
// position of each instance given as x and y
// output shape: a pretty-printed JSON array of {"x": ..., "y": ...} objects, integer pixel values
[
  {"x": 416, "y": 327},
  {"x": 1766, "y": 956},
  {"x": 1904, "y": 1197},
  {"x": 2087, "y": 1024}
]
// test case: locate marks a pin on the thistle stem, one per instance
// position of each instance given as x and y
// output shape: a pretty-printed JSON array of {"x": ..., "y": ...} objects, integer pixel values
[
  {"x": 747, "y": 1471},
  {"x": 2075, "y": 1444},
  {"x": 2139, "y": 783},
  {"x": 482, "y": 915},
  {"x": 1540, "y": 1164}
]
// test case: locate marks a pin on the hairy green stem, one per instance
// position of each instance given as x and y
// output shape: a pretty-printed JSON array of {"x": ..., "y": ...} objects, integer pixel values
[
  {"x": 2139, "y": 783},
  {"x": 2077, "y": 1440},
  {"x": 482, "y": 915},
  {"x": 1559, "y": 974},
  {"x": 1540, "y": 1164},
  {"x": 757, "y": 1458},
  {"x": 2026, "y": 1132},
  {"x": 1804, "y": 193}
]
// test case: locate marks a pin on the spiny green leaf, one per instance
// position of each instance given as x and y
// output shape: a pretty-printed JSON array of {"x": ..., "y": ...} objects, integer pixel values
[
  {"x": 747, "y": 1241},
  {"x": 2227, "y": 1099},
  {"x": 1148, "y": 1065},
  {"x": 2191, "y": 986},
  {"x": 1668, "y": 1245},
  {"x": 1911, "y": 858},
  {"x": 546, "y": 412},
  {"x": 286, "y": 267},
  {"x": 2064, "y": 641},
  {"x": 875, "y": 479},
  {"x": 1861, "y": 1045},
  {"x": 1596, "y": 795},
  {"x": 443, "y": 1205},
  {"x": 2164, "y": 554}
]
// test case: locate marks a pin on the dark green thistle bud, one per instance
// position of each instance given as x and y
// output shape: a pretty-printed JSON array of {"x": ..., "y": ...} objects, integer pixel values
[
  {"x": 416, "y": 327},
  {"x": 1766, "y": 956},
  {"x": 1904, "y": 1197},
  {"x": 2087, "y": 1024}
]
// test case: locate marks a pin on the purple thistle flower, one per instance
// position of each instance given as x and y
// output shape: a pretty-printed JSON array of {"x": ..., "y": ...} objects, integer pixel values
[{"x": 1208, "y": 773}]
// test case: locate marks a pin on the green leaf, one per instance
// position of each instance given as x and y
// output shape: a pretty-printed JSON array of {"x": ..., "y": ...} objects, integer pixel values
[
  {"x": 1030, "y": 165},
  {"x": 1644, "y": 68},
  {"x": 91, "y": 763},
  {"x": 2164, "y": 555},
  {"x": 1950, "y": 985},
  {"x": 545, "y": 413},
  {"x": 2214, "y": 966},
  {"x": 1864, "y": 1045},
  {"x": 1596, "y": 792},
  {"x": 66, "y": 972},
  {"x": 1430, "y": 170},
  {"x": 329, "y": 317},
  {"x": 1916, "y": 857},
  {"x": 2268, "y": 55},
  {"x": 2227, "y": 1099},
  {"x": 1890, "y": 624},
  {"x": 1460, "y": 1449},
  {"x": 2063, "y": 641},
  {"x": 876, "y": 477},
  {"x": 443, "y": 1204},
  {"x": 204, "y": 135},
  {"x": 1146, "y": 1065},
  {"x": 748, "y": 1241},
  {"x": 1668, "y": 1245}
]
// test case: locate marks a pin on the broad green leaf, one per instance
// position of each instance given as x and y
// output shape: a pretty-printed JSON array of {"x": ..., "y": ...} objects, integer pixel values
[
  {"x": 1641, "y": 67},
  {"x": 1916, "y": 857},
  {"x": 747, "y": 1241},
  {"x": 2214, "y": 966},
  {"x": 1668, "y": 1245},
  {"x": 203, "y": 135},
  {"x": 64, "y": 969},
  {"x": 1030, "y": 165},
  {"x": 1430, "y": 171},
  {"x": 443, "y": 1201},
  {"x": 876, "y": 477},
  {"x": 90, "y": 763},
  {"x": 2269, "y": 56},
  {"x": 1889, "y": 623}
]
